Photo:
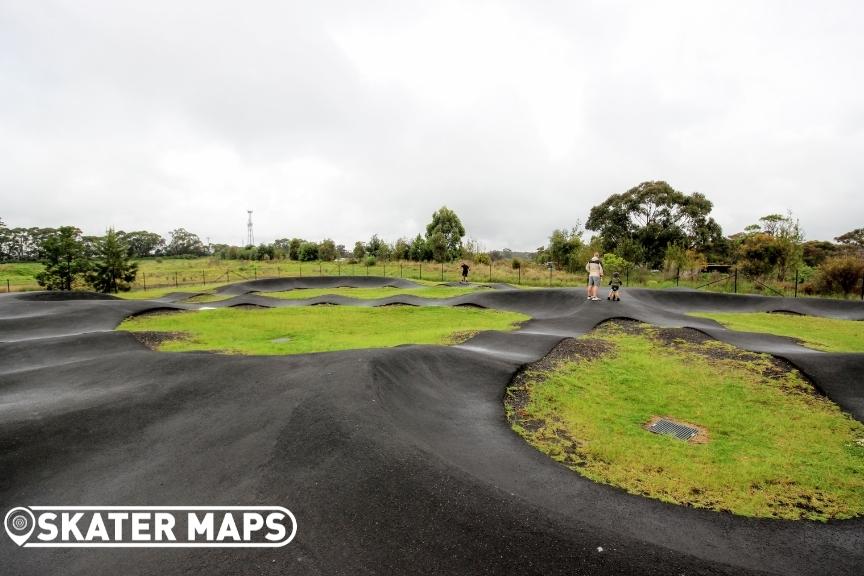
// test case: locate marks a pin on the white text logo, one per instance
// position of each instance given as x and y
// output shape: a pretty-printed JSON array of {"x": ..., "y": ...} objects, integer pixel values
[{"x": 150, "y": 526}]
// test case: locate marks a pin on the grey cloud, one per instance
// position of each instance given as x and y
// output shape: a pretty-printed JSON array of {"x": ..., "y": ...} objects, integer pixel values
[{"x": 347, "y": 119}]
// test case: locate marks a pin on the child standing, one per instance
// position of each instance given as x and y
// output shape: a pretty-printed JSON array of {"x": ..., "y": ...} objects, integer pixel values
[{"x": 615, "y": 283}]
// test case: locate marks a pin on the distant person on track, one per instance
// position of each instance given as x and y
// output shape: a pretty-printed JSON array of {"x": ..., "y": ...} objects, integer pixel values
[
  {"x": 615, "y": 285},
  {"x": 465, "y": 269},
  {"x": 595, "y": 275}
]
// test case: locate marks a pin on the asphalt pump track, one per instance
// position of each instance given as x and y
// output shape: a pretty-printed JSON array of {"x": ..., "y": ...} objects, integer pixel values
[{"x": 393, "y": 461}]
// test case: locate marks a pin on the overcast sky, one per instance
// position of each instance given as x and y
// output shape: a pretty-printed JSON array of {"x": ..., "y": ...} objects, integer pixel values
[{"x": 343, "y": 119}]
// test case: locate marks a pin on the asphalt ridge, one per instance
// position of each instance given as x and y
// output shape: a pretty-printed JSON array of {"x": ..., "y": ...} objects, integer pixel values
[{"x": 394, "y": 461}]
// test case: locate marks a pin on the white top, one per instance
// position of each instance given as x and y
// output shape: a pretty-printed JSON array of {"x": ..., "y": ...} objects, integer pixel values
[{"x": 594, "y": 267}]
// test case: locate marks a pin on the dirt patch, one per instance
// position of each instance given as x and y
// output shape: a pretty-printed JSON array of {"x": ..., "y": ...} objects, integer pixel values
[
  {"x": 673, "y": 336},
  {"x": 695, "y": 342},
  {"x": 462, "y": 336},
  {"x": 155, "y": 339},
  {"x": 157, "y": 312},
  {"x": 626, "y": 325},
  {"x": 518, "y": 394},
  {"x": 570, "y": 350},
  {"x": 691, "y": 341}
]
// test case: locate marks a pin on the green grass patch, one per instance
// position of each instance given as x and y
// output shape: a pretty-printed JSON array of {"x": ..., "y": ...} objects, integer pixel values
[
  {"x": 774, "y": 447},
  {"x": 376, "y": 293},
  {"x": 318, "y": 329},
  {"x": 826, "y": 334},
  {"x": 20, "y": 275}
]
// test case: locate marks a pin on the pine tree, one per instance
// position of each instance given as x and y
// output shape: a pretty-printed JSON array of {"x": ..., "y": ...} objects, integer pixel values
[{"x": 112, "y": 270}]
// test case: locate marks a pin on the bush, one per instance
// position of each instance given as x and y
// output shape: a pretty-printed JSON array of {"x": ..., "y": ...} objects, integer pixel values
[
  {"x": 614, "y": 263},
  {"x": 840, "y": 275},
  {"x": 308, "y": 252},
  {"x": 806, "y": 273},
  {"x": 482, "y": 258}
]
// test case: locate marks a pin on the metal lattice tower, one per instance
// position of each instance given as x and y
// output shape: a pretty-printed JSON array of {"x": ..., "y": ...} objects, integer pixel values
[{"x": 250, "y": 237}]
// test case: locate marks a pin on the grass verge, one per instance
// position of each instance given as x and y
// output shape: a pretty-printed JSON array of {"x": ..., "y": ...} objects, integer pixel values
[
  {"x": 826, "y": 334},
  {"x": 771, "y": 446},
  {"x": 317, "y": 329}
]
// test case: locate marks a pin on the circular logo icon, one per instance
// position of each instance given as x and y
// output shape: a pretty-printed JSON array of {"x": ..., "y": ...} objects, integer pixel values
[{"x": 19, "y": 523}]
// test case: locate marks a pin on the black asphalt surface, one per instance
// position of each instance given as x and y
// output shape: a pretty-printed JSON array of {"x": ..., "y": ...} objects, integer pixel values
[{"x": 393, "y": 461}]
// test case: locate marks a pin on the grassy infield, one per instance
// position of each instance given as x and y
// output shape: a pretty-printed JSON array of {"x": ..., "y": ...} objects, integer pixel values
[
  {"x": 321, "y": 328},
  {"x": 775, "y": 449}
]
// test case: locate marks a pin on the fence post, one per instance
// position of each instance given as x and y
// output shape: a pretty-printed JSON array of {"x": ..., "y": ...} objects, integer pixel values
[
  {"x": 442, "y": 271},
  {"x": 627, "y": 281},
  {"x": 255, "y": 271},
  {"x": 735, "y": 285},
  {"x": 144, "y": 276},
  {"x": 227, "y": 275},
  {"x": 796, "y": 283},
  {"x": 677, "y": 275},
  {"x": 490, "y": 270},
  {"x": 862, "y": 287},
  {"x": 421, "y": 270},
  {"x": 400, "y": 269},
  {"x": 8, "y": 289},
  {"x": 519, "y": 274},
  {"x": 175, "y": 280},
  {"x": 203, "y": 277}
]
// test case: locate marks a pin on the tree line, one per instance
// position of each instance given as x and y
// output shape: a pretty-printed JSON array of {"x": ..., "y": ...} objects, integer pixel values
[
  {"x": 651, "y": 226},
  {"x": 106, "y": 263}
]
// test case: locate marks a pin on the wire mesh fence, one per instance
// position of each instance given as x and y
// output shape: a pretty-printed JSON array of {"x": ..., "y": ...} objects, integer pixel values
[{"x": 191, "y": 275}]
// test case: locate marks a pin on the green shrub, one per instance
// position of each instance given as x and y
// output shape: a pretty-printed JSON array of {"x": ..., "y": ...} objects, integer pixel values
[{"x": 840, "y": 275}]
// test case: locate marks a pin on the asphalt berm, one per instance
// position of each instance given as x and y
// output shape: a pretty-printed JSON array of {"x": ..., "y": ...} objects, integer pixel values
[{"x": 393, "y": 461}]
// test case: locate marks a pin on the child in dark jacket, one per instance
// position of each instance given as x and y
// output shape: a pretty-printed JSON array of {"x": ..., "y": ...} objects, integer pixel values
[{"x": 615, "y": 283}]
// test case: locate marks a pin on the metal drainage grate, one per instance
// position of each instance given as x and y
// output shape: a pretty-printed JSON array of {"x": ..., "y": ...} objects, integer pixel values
[{"x": 672, "y": 429}]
